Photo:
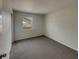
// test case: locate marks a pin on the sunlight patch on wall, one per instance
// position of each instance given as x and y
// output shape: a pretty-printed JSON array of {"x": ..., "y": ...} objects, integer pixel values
[{"x": 0, "y": 23}]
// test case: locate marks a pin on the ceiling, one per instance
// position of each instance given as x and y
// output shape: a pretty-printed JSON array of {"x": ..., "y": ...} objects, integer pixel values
[{"x": 39, "y": 6}]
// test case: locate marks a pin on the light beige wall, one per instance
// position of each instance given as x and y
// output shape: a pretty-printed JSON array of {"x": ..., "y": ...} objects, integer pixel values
[
  {"x": 6, "y": 35},
  {"x": 37, "y": 26},
  {"x": 62, "y": 26},
  {"x": 1, "y": 1}
]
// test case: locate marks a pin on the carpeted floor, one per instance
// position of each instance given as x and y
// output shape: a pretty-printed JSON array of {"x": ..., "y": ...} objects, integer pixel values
[{"x": 41, "y": 48}]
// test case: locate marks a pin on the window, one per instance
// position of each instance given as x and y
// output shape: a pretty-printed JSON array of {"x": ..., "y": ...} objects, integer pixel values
[{"x": 27, "y": 22}]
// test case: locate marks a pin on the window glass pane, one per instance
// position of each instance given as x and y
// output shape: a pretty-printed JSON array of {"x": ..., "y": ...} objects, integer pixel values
[{"x": 27, "y": 22}]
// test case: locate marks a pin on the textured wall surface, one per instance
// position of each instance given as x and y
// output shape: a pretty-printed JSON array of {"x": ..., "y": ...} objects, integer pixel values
[
  {"x": 6, "y": 34},
  {"x": 37, "y": 26},
  {"x": 62, "y": 26}
]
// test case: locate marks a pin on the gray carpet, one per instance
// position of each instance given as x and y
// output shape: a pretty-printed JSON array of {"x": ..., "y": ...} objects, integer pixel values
[{"x": 41, "y": 48}]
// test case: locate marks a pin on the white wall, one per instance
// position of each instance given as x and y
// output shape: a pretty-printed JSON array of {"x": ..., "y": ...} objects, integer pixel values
[
  {"x": 62, "y": 26},
  {"x": 37, "y": 26},
  {"x": 6, "y": 35}
]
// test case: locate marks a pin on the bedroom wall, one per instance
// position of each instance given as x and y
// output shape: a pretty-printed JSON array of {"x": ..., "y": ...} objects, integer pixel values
[
  {"x": 62, "y": 26},
  {"x": 6, "y": 34},
  {"x": 37, "y": 26}
]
